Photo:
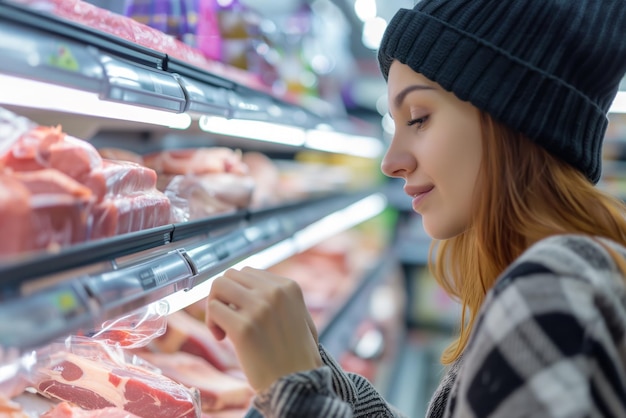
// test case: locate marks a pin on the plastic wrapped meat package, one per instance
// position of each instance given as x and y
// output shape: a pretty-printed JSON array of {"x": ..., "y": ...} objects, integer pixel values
[
  {"x": 134, "y": 366},
  {"x": 93, "y": 375},
  {"x": 135, "y": 329},
  {"x": 56, "y": 190},
  {"x": 201, "y": 182},
  {"x": 189, "y": 353},
  {"x": 99, "y": 376},
  {"x": 124, "y": 27}
]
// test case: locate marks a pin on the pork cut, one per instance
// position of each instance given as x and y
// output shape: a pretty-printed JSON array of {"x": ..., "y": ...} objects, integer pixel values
[
  {"x": 97, "y": 384},
  {"x": 185, "y": 333},
  {"x": 197, "y": 161},
  {"x": 129, "y": 213},
  {"x": 49, "y": 147},
  {"x": 120, "y": 177},
  {"x": 50, "y": 181},
  {"x": 57, "y": 220},
  {"x": 15, "y": 216},
  {"x": 201, "y": 196},
  {"x": 217, "y": 390},
  {"x": 66, "y": 410}
]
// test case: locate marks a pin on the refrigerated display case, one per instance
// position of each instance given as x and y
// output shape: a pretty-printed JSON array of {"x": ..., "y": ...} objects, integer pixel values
[{"x": 111, "y": 91}]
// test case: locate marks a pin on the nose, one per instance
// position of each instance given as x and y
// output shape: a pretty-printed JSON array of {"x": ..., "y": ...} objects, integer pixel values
[{"x": 398, "y": 162}]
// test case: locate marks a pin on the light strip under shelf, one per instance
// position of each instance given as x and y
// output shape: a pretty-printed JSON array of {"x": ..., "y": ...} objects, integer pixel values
[
  {"x": 253, "y": 129},
  {"x": 18, "y": 91},
  {"x": 340, "y": 143},
  {"x": 316, "y": 139},
  {"x": 313, "y": 234}
]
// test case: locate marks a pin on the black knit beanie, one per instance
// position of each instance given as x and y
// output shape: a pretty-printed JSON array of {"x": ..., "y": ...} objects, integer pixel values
[{"x": 547, "y": 68}]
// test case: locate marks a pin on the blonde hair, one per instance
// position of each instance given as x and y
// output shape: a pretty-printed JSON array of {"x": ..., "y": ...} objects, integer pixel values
[{"x": 526, "y": 194}]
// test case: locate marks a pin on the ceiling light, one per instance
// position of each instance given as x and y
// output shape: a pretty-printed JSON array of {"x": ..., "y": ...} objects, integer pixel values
[
  {"x": 373, "y": 31},
  {"x": 365, "y": 9}
]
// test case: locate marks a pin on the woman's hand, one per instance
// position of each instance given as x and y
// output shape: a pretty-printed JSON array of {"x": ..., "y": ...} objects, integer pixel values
[{"x": 265, "y": 317}]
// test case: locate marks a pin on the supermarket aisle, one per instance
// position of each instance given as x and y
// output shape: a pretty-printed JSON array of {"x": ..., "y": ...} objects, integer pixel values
[{"x": 418, "y": 372}]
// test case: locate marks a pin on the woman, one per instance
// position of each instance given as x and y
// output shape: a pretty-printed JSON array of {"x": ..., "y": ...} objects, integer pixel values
[{"x": 500, "y": 111}]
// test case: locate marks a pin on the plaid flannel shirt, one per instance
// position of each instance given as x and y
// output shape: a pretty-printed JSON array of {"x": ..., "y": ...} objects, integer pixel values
[{"x": 549, "y": 341}]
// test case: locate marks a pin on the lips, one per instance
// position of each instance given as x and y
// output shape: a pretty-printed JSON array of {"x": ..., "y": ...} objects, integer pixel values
[
  {"x": 418, "y": 193},
  {"x": 415, "y": 191}
]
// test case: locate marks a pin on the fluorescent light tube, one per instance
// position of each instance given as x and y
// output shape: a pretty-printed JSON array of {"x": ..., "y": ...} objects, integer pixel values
[
  {"x": 340, "y": 221},
  {"x": 253, "y": 129},
  {"x": 35, "y": 94},
  {"x": 331, "y": 141}
]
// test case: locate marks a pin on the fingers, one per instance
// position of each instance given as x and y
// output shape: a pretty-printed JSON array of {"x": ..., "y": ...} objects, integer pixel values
[
  {"x": 230, "y": 292},
  {"x": 249, "y": 289},
  {"x": 219, "y": 317},
  {"x": 225, "y": 298}
]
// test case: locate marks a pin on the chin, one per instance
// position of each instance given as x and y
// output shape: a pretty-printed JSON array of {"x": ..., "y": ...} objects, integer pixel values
[{"x": 440, "y": 230}]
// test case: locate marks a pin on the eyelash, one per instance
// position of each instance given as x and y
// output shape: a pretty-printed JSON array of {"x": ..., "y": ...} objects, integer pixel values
[{"x": 421, "y": 121}]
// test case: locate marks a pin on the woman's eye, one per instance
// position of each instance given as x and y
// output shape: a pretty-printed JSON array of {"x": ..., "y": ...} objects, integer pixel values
[{"x": 418, "y": 121}]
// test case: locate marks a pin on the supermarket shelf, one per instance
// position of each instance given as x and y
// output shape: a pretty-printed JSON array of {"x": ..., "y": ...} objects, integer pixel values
[
  {"x": 294, "y": 215},
  {"x": 337, "y": 333},
  {"x": 38, "y": 308},
  {"x": 55, "y": 64}
]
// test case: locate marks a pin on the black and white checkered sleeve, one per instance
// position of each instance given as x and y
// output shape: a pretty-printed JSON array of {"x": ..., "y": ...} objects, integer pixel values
[
  {"x": 543, "y": 347},
  {"x": 327, "y": 392}
]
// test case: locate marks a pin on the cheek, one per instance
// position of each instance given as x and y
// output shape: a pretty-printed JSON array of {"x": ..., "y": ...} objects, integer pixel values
[{"x": 455, "y": 175}]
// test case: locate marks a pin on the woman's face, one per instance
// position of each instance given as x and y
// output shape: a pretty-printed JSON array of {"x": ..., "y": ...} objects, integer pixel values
[{"x": 436, "y": 149}]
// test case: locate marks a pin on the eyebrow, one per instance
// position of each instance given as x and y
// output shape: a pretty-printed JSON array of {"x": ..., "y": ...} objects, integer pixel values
[{"x": 402, "y": 95}]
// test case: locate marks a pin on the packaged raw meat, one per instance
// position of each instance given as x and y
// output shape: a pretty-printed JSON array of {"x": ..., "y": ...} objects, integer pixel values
[
  {"x": 266, "y": 177},
  {"x": 13, "y": 374},
  {"x": 92, "y": 375},
  {"x": 218, "y": 390},
  {"x": 197, "y": 161},
  {"x": 126, "y": 213},
  {"x": 200, "y": 196},
  {"x": 66, "y": 410},
  {"x": 48, "y": 147},
  {"x": 125, "y": 177},
  {"x": 135, "y": 329},
  {"x": 15, "y": 216},
  {"x": 202, "y": 182},
  {"x": 42, "y": 209},
  {"x": 184, "y": 333},
  {"x": 58, "y": 220},
  {"x": 12, "y": 127},
  {"x": 52, "y": 182},
  {"x": 66, "y": 193},
  {"x": 89, "y": 15}
]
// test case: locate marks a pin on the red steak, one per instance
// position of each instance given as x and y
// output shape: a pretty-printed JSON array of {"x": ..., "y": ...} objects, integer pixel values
[
  {"x": 217, "y": 390},
  {"x": 96, "y": 384},
  {"x": 185, "y": 333}
]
